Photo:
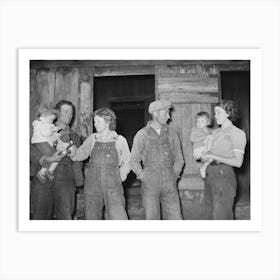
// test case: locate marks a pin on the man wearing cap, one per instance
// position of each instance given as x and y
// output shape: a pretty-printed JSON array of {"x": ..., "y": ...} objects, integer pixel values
[{"x": 158, "y": 147}]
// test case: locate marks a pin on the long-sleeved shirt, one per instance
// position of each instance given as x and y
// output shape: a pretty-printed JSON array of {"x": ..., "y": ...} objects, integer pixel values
[
  {"x": 85, "y": 150},
  {"x": 139, "y": 149}
]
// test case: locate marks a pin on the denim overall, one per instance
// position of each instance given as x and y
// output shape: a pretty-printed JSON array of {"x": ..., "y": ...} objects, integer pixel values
[
  {"x": 103, "y": 184},
  {"x": 159, "y": 190},
  {"x": 220, "y": 190}
]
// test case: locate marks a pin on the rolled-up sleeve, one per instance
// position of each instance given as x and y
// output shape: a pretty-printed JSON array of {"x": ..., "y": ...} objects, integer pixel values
[
  {"x": 124, "y": 157},
  {"x": 136, "y": 154},
  {"x": 83, "y": 152}
]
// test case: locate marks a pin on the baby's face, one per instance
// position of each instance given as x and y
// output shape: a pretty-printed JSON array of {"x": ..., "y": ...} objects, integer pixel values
[
  {"x": 202, "y": 122},
  {"x": 50, "y": 118}
]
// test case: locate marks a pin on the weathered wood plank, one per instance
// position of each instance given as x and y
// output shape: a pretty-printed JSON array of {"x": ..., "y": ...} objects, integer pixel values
[
  {"x": 187, "y": 97},
  {"x": 85, "y": 95},
  {"x": 130, "y": 98},
  {"x": 226, "y": 65},
  {"x": 74, "y": 91},
  {"x": 123, "y": 70},
  {"x": 187, "y": 84},
  {"x": 63, "y": 84},
  {"x": 51, "y": 83},
  {"x": 59, "y": 85},
  {"x": 42, "y": 87}
]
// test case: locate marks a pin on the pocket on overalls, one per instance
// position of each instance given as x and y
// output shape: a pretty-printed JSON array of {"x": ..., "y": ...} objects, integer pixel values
[
  {"x": 166, "y": 152},
  {"x": 107, "y": 157}
]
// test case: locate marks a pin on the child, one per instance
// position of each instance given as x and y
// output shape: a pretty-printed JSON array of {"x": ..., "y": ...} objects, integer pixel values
[
  {"x": 202, "y": 139},
  {"x": 46, "y": 136}
]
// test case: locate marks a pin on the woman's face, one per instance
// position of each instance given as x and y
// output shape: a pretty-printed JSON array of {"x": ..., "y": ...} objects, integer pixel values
[
  {"x": 220, "y": 115},
  {"x": 100, "y": 124}
]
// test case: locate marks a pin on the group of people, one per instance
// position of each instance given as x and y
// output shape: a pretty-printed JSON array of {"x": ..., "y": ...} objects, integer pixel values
[{"x": 156, "y": 157}]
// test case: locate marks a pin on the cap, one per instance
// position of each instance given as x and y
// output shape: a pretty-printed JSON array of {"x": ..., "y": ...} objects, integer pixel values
[{"x": 159, "y": 105}]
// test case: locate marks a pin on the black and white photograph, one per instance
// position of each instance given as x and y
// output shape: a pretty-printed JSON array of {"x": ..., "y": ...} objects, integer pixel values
[{"x": 140, "y": 139}]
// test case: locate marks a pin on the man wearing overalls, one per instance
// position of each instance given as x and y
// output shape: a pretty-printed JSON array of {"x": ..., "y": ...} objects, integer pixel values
[{"x": 158, "y": 147}]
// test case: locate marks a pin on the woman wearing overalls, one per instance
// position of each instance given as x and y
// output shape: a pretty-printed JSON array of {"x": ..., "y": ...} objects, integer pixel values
[
  {"x": 108, "y": 167},
  {"x": 227, "y": 152}
]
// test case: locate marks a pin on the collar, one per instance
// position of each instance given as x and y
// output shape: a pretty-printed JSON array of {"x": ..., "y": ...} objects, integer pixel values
[
  {"x": 164, "y": 128},
  {"x": 230, "y": 125},
  {"x": 113, "y": 136}
]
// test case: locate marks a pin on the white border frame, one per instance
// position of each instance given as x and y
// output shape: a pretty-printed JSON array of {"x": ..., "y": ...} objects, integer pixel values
[{"x": 254, "y": 55}]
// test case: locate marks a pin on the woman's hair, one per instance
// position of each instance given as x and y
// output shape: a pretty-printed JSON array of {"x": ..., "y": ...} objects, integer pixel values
[
  {"x": 230, "y": 107},
  {"x": 108, "y": 115}
]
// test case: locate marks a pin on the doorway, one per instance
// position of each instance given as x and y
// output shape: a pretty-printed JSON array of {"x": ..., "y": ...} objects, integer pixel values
[
  {"x": 235, "y": 85},
  {"x": 129, "y": 97}
]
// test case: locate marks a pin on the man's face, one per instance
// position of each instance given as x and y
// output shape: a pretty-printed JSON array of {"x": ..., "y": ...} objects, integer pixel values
[
  {"x": 65, "y": 114},
  {"x": 162, "y": 116}
]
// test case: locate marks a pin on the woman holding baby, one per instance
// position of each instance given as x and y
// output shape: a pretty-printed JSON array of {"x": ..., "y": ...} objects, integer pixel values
[{"x": 227, "y": 152}]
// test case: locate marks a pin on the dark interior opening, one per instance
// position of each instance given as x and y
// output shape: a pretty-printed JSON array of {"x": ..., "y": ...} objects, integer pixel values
[
  {"x": 235, "y": 85},
  {"x": 129, "y": 98}
]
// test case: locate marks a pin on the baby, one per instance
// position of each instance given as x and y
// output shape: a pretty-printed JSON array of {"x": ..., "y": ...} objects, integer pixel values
[
  {"x": 46, "y": 136},
  {"x": 202, "y": 139}
]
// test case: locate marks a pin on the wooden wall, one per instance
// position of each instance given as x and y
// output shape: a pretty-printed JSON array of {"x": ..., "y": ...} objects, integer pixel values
[
  {"x": 192, "y": 89},
  {"x": 192, "y": 86},
  {"x": 51, "y": 81},
  {"x": 50, "y": 85}
]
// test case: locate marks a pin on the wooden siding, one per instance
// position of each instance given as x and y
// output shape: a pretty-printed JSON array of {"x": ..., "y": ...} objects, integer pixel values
[
  {"x": 50, "y": 85},
  {"x": 191, "y": 89}
]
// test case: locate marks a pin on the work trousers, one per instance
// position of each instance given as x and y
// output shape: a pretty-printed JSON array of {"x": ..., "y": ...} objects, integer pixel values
[
  {"x": 54, "y": 198},
  {"x": 220, "y": 191}
]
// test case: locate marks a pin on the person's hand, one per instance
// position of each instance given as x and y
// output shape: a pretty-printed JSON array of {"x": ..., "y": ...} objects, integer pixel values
[
  {"x": 196, "y": 154},
  {"x": 53, "y": 158},
  {"x": 207, "y": 157},
  {"x": 72, "y": 151},
  {"x": 41, "y": 176}
]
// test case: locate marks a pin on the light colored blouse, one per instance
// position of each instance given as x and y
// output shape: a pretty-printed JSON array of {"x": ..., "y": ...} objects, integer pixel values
[
  {"x": 84, "y": 151},
  {"x": 228, "y": 140}
]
